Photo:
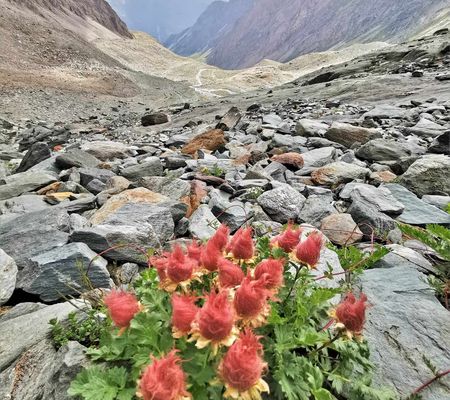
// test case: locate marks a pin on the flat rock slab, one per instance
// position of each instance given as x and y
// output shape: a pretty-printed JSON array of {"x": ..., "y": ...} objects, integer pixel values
[
  {"x": 34, "y": 233},
  {"x": 405, "y": 324},
  {"x": 8, "y": 274},
  {"x": 63, "y": 271},
  {"x": 348, "y": 135},
  {"x": 17, "y": 184},
  {"x": 428, "y": 175},
  {"x": 202, "y": 223},
  {"x": 20, "y": 333},
  {"x": 416, "y": 212}
]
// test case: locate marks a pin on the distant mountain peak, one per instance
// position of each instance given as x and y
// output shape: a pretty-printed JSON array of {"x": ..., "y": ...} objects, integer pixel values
[{"x": 241, "y": 33}]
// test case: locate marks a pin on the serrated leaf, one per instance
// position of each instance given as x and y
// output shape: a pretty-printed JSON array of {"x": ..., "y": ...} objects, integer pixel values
[{"x": 322, "y": 394}]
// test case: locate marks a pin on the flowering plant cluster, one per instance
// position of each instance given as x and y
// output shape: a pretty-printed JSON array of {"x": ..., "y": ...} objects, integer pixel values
[{"x": 234, "y": 318}]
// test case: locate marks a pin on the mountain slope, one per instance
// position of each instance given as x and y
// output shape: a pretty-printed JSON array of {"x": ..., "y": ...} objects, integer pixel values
[
  {"x": 285, "y": 29},
  {"x": 160, "y": 18},
  {"x": 215, "y": 23}
]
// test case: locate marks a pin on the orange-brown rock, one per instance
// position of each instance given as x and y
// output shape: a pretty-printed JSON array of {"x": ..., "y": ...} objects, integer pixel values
[
  {"x": 198, "y": 192},
  {"x": 210, "y": 140},
  {"x": 293, "y": 159}
]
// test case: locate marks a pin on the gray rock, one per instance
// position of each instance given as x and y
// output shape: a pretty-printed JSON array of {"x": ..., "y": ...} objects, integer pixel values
[
  {"x": 282, "y": 204},
  {"x": 106, "y": 150},
  {"x": 316, "y": 208},
  {"x": 317, "y": 158},
  {"x": 405, "y": 324},
  {"x": 20, "y": 333},
  {"x": 76, "y": 158},
  {"x": 96, "y": 186},
  {"x": 88, "y": 174},
  {"x": 154, "y": 119},
  {"x": 23, "y": 204},
  {"x": 426, "y": 128},
  {"x": 8, "y": 274},
  {"x": 202, "y": 223},
  {"x": 272, "y": 120},
  {"x": 102, "y": 237},
  {"x": 380, "y": 197},
  {"x": 68, "y": 362},
  {"x": 403, "y": 256},
  {"x": 441, "y": 144},
  {"x": 310, "y": 128},
  {"x": 61, "y": 272},
  {"x": 151, "y": 166},
  {"x": 234, "y": 214},
  {"x": 417, "y": 212},
  {"x": 21, "y": 309},
  {"x": 23, "y": 182},
  {"x": 34, "y": 233},
  {"x": 230, "y": 119},
  {"x": 126, "y": 273},
  {"x": 173, "y": 188},
  {"x": 383, "y": 150},
  {"x": 370, "y": 220},
  {"x": 387, "y": 112},
  {"x": 48, "y": 372},
  {"x": 348, "y": 135},
  {"x": 441, "y": 202},
  {"x": 292, "y": 143},
  {"x": 428, "y": 175},
  {"x": 38, "y": 152}
]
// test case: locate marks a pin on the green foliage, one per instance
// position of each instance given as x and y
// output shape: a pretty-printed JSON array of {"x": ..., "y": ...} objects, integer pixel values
[
  {"x": 97, "y": 383},
  {"x": 214, "y": 171},
  {"x": 306, "y": 359},
  {"x": 435, "y": 236},
  {"x": 85, "y": 328}
]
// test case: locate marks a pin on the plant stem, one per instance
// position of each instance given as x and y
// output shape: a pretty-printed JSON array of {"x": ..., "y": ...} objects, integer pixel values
[
  {"x": 326, "y": 344},
  {"x": 297, "y": 271},
  {"x": 426, "y": 384}
]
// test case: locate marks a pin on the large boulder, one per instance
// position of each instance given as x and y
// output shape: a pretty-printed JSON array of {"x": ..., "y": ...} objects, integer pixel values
[
  {"x": 28, "y": 328},
  {"x": 17, "y": 184},
  {"x": 428, "y": 175},
  {"x": 107, "y": 150},
  {"x": 64, "y": 271},
  {"x": 416, "y": 211},
  {"x": 282, "y": 203},
  {"x": 338, "y": 172},
  {"x": 348, "y": 135},
  {"x": 210, "y": 140},
  {"x": 38, "y": 152},
  {"x": 8, "y": 274},
  {"x": 151, "y": 166},
  {"x": 406, "y": 326},
  {"x": 34, "y": 233}
]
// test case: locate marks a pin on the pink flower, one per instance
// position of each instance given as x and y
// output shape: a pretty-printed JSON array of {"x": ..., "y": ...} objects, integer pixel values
[
  {"x": 216, "y": 317},
  {"x": 210, "y": 257},
  {"x": 352, "y": 313},
  {"x": 164, "y": 379},
  {"x": 179, "y": 267},
  {"x": 288, "y": 239},
  {"x": 241, "y": 245},
  {"x": 242, "y": 366},
  {"x": 184, "y": 312},
  {"x": 273, "y": 270},
  {"x": 122, "y": 307},
  {"x": 220, "y": 238},
  {"x": 308, "y": 251},
  {"x": 230, "y": 274},
  {"x": 194, "y": 251},
  {"x": 250, "y": 299}
]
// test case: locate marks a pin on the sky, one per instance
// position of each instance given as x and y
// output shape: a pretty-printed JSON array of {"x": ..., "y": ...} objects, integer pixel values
[{"x": 159, "y": 18}]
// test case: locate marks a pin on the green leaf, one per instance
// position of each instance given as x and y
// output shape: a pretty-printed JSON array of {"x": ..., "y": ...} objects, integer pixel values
[
  {"x": 322, "y": 394},
  {"x": 101, "y": 384}
]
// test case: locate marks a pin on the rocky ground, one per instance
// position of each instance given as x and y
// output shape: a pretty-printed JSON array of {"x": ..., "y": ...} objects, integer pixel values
[{"x": 124, "y": 174}]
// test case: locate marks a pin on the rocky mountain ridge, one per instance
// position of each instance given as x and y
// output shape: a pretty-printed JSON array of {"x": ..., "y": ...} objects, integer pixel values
[{"x": 285, "y": 29}]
